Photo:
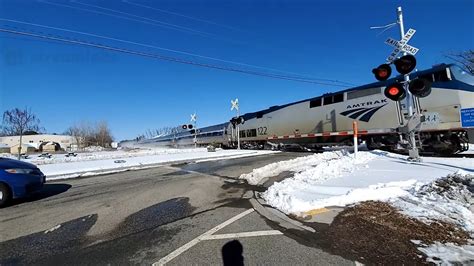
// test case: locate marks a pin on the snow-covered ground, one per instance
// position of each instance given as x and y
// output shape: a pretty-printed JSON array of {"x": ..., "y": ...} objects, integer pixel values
[
  {"x": 99, "y": 162},
  {"x": 336, "y": 178}
]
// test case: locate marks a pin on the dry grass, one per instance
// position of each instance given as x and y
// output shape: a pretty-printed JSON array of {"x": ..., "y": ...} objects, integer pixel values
[{"x": 376, "y": 233}]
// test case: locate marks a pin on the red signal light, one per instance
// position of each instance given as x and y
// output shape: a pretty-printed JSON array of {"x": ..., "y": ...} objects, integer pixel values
[
  {"x": 395, "y": 92},
  {"x": 382, "y": 72}
]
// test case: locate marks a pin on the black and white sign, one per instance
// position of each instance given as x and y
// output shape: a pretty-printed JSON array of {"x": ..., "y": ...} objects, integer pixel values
[{"x": 401, "y": 46}]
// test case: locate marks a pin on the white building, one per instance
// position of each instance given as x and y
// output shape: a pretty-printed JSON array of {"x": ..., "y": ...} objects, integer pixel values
[{"x": 65, "y": 142}]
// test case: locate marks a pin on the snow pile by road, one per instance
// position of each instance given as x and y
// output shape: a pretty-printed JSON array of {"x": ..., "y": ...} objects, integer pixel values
[
  {"x": 337, "y": 179},
  {"x": 449, "y": 199},
  {"x": 446, "y": 199},
  {"x": 97, "y": 153},
  {"x": 449, "y": 253},
  {"x": 302, "y": 166},
  {"x": 108, "y": 162},
  {"x": 435, "y": 189}
]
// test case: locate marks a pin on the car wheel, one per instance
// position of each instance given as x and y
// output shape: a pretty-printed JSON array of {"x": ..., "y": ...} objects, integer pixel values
[{"x": 5, "y": 195}]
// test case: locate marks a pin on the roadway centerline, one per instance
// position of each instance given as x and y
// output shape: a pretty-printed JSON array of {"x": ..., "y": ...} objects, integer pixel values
[{"x": 243, "y": 234}]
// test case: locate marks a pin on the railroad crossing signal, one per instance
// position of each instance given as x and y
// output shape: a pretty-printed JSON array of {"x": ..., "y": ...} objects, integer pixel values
[
  {"x": 382, "y": 72},
  {"x": 405, "y": 64},
  {"x": 420, "y": 87},
  {"x": 401, "y": 46},
  {"x": 237, "y": 120},
  {"x": 395, "y": 92}
]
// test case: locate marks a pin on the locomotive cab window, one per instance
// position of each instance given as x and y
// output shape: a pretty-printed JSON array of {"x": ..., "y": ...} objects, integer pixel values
[
  {"x": 362, "y": 93},
  {"x": 259, "y": 114},
  {"x": 441, "y": 76},
  {"x": 338, "y": 98},
  {"x": 328, "y": 100},
  {"x": 315, "y": 103}
]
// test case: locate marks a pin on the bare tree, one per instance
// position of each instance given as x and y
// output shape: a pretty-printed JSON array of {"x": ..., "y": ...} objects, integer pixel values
[
  {"x": 17, "y": 121},
  {"x": 103, "y": 134},
  {"x": 466, "y": 59},
  {"x": 77, "y": 133},
  {"x": 88, "y": 134}
]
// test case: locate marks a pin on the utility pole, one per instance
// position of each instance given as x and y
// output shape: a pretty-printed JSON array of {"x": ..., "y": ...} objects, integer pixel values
[{"x": 413, "y": 153}]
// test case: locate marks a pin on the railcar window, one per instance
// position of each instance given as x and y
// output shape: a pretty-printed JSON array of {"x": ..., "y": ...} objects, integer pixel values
[
  {"x": 251, "y": 133},
  {"x": 315, "y": 103},
  {"x": 362, "y": 93},
  {"x": 328, "y": 100},
  {"x": 338, "y": 98},
  {"x": 242, "y": 133}
]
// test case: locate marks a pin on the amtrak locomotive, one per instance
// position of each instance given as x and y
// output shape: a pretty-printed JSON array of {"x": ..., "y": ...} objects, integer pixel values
[{"x": 327, "y": 119}]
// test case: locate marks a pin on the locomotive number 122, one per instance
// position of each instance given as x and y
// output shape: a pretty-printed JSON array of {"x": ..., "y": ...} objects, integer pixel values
[{"x": 262, "y": 130}]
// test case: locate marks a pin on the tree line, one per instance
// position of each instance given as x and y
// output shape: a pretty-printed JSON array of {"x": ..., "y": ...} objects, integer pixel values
[
  {"x": 21, "y": 122},
  {"x": 91, "y": 134}
]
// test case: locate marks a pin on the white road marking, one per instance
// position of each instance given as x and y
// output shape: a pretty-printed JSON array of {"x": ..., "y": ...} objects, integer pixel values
[
  {"x": 198, "y": 239},
  {"x": 243, "y": 234},
  {"x": 52, "y": 229}
]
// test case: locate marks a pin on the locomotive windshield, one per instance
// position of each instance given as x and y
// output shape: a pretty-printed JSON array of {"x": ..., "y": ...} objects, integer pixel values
[{"x": 462, "y": 75}]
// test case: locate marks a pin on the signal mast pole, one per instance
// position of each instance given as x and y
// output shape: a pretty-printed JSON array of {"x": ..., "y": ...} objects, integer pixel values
[
  {"x": 235, "y": 105},
  {"x": 238, "y": 130},
  {"x": 194, "y": 119},
  {"x": 413, "y": 152}
]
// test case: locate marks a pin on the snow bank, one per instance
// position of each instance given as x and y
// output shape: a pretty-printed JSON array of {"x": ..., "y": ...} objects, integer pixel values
[
  {"x": 448, "y": 253},
  {"x": 447, "y": 199},
  {"x": 98, "y": 154},
  {"x": 337, "y": 179},
  {"x": 301, "y": 164},
  {"x": 435, "y": 189},
  {"x": 302, "y": 192}
]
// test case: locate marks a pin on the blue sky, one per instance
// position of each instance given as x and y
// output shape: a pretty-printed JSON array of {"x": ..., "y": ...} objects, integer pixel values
[{"x": 65, "y": 84}]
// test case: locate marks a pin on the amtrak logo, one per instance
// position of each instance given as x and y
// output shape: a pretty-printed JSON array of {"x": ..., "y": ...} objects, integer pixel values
[{"x": 363, "y": 114}]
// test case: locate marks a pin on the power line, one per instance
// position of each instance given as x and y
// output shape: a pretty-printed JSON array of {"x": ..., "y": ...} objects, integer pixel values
[
  {"x": 123, "y": 17},
  {"x": 160, "y": 57},
  {"x": 181, "y": 15},
  {"x": 166, "y": 49},
  {"x": 144, "y": 18}
]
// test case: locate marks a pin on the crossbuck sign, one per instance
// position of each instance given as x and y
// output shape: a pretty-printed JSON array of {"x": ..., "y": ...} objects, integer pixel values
[
  {"x": 401, "y": 46},
  {"x": 235, "y": 104},
  {"x": 193, "y": 117}
]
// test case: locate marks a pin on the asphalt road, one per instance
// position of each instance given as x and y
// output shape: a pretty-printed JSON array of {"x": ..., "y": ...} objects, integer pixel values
[{"x": 142, "y": 217}]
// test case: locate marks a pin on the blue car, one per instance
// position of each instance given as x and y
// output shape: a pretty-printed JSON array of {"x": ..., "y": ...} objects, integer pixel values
[{"x": 18, "y": 179}]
